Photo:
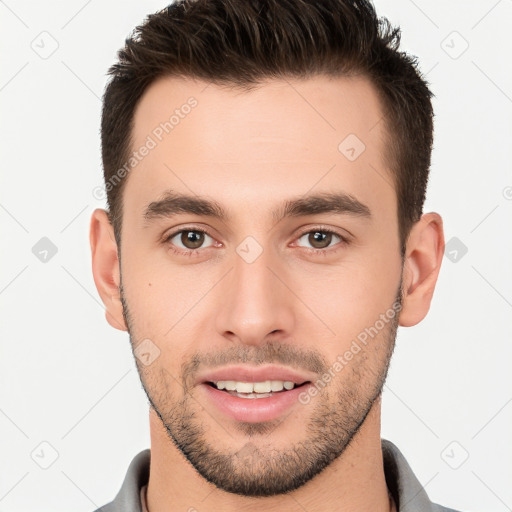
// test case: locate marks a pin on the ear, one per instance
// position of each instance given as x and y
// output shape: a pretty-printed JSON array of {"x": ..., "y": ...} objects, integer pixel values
[
  {"x": 105, "y": 267},
  {"x": 423, "y": 257}
]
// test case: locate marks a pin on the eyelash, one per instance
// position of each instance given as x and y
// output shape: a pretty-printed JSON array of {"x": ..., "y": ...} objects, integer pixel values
[{"x": 193, "y": 252}]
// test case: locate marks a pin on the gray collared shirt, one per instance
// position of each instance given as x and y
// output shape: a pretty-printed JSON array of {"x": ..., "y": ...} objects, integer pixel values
[{"x": 405, "y": 488}]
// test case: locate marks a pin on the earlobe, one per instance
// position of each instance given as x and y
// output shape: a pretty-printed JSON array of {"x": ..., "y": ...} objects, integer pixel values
[
  {"x": 423, "y": 257},
  {"x": 105, "y": 267}
]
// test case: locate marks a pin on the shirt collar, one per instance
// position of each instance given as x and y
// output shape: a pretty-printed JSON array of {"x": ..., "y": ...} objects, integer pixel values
[{"x": 408, "y": 493}]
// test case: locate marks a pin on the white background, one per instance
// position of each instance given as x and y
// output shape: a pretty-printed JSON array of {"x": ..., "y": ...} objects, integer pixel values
[{"x": 68, "y": 379}]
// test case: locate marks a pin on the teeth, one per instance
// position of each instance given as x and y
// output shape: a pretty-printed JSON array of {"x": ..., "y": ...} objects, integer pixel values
[
  {"x": 263, "y": 387},
  {"x": 255, "y": 387},
  {"x": 250, "y": 395},
  {"x": 276, "y": 385},
  {"x": 244, "y": 387},
  {"x": 230, "y": 385}
]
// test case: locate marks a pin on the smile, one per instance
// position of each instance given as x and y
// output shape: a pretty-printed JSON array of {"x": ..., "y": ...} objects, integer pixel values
[{"x": 264, "y": 389}]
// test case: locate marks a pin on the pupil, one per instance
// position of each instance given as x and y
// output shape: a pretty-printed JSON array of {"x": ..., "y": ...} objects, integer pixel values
[
  {"x": 192, "y": 239},
  {"x": 320, "y": 237}
]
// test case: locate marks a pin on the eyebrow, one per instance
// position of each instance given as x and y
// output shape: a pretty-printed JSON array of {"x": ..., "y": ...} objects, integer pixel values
[{"x": 173, "y": 203}]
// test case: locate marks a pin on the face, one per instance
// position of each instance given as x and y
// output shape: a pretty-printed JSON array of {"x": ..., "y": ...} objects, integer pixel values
[{"x": 281, "y": 267}]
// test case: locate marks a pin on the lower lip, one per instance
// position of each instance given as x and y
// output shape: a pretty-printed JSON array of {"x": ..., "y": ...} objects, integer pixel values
[{"x": 253, "y": 410}]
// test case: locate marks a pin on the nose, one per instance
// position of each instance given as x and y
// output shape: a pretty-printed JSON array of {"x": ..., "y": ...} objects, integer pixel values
[{"x": 256, "y": 301}]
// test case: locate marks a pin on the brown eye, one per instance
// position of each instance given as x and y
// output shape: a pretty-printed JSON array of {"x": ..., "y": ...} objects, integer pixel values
[
  {"x": 320, "y": 239},
  {"x": 192, "y": 239},
  {"x": 189, "y": 239}
]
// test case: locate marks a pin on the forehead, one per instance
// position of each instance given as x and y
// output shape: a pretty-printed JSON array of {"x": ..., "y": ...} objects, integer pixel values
[
  {"x": 283, "y": 109},
  {"x": 286, "y": 137}
]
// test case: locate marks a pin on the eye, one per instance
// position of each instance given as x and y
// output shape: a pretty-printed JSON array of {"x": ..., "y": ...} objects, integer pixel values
[
  {"x": 319, "y": 239},
  {"x": 188, "y": 240}
]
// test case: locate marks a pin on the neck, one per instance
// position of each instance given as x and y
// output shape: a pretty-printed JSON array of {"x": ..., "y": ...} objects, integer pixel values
[{"x": 354, "y": 482}]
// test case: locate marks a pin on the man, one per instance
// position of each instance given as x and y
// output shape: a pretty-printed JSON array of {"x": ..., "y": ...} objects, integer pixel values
[{"x": 266, "y": 165}]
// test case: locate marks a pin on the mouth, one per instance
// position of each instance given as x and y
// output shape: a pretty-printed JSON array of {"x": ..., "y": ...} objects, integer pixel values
[
  {"x": 254, "y": 390},
  {"x": 253, "y": 402},
  {"x": 251, "y": 393}
]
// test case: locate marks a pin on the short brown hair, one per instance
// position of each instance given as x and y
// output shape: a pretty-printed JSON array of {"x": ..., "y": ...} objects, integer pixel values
[{"x": 241, "y": 43}]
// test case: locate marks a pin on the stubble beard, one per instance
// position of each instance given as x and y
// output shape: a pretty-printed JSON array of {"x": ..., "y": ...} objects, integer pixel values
[{"x": 257, "y": 469}]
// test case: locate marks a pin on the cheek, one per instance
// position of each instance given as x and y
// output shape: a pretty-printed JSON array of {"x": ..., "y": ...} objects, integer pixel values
[
  {"x": 168, "y": 306},
  {"x": 158, "y": 294},
  {"x": 351, "y": 297},
  {"x": 163, "y": 382},
  {"x": 164, "y": 297}
]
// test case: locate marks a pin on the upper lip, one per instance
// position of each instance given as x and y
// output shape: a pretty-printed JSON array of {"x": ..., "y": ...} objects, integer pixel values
[{"x": 246, "y": 373}]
